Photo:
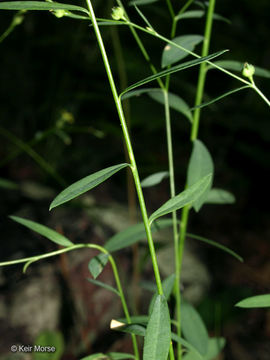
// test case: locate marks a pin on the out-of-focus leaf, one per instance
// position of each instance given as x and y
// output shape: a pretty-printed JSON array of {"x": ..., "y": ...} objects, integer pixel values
[
  {"x": 52, "y": 339},
  {"x": 200, "y": 164},
  {"x": 154, "y": 179},
  {"x": 97, "y": 264},
  {"x": 172, "y": 54},
  {"x": 104, "y": 286},
  {"x": 259, "y": 301},
  {"x": 158, "y": 332},
  {"x": 190, "y": 14},
  {"x": 44, "y": 231},
  {"x": 219, "y": 196},
  {"x": 215, "y": 345},
  {"x": 7, "y": 184},
  {"x": 193, "y": 328},
  {"x": 141, "y": 2}
]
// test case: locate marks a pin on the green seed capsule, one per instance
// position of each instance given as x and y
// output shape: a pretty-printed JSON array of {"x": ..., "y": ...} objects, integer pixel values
[
  {"x": 118, "y": 13},
  {"x": 248, "y": 70}
]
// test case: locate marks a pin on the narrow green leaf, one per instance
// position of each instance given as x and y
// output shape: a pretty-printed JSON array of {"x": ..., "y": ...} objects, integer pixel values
[
  {"x": 158, "y": 332},
  {"x": 215, "y": 244},
  {"x": 85, "y": 184},
  {"x": 154, "y": 179},
  {"x": 220, "y": 97},
  {"x": 167, "y": 286},
  {"x": 186, "y": 197},
  {"x": 175, "y": 102},
  {"x": 219, "y": 196},
  {"x": 200, "y": 164},
  {"x": 193, "y": 328},
  {"x": 215, "y": 345},
  {"x": 44, "y": 231},
  {"x": 141, "y": 2},
  {"x": 138, "y": 92},
  {"x": 104, "y": 286},
  {"x": 120, "y": 356},
  {"x": 97, "y": 264},
  {"x": 221, "y": 18},
  {"x": 173, "y": 69},
  {"x": 139, "y": 319},
  {"x": 7, "y": 184},
  {"x": 259, "y": 301},
  {"x": 39, "y": 5},
  {"x": 133, "y": 234},
  {"x": 238, "y": 66},
  {"x": 190, "y": 15},
  {"x": 172, "y": 54}
]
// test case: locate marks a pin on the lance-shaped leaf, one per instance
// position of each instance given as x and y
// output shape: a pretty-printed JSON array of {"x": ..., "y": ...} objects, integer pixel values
[
  {"x": 175, "y": 102},
  {"x": 85, "y": 184},
  {"x": 219, "y": 196},
  {"x": 158, "y": 332},
  {"x": 238, "y": 66},
  {"x": 154, "y": 179},
  {"x": 190, "y": 15},
  {"x": 97, "y": 356},
  {"x": 193, "y": 328},
  {"x": 186, "y": 197},
  {"x": 103, "y": 285},
  {"x": 173, "y": 69},
  {"x": 215, "y": 244},
  {"x": 128, "y": 328},
  {"x": 141, "y": 2},
  {"x": 200, "y": 164},
  {"x": 186, "y": 344},
  {"x": 220, "y": 97},
  {"x": 172, "y": 54},
  {"x": 44, "y": 231},
  {"x": 39, "y": 5},
  {"x": 133, "y": 234},
  {"x": 259, "y": 301},
  {"x": 120, "y": 356},
  {"x": 97, "y": 264}
]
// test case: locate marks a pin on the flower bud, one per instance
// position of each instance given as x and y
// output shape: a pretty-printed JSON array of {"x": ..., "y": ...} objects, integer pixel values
[
  {"x": 118, "y": 13},
  {"x": 59, "y": 13},
  {"x": 248, "y": 70}
]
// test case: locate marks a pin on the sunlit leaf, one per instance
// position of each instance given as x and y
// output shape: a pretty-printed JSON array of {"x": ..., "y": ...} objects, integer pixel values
[
  {"x": 158, "y": 332},
  {"x": 133, "y": 234},
  {"x": 172, "y": 54},
  {"x": 97, "y": 264},
  {"x": 187, "y": 197},
  {"x": 259, "y": 301},
  {"x": 219, "y": 196},
  {"x": 39, "y": 5},
  {"x": 173, "y": 69},
  {"x": 154, "y": 179},
  {"x": 104, "y": 286},
  {"x": 85, "y": 184},
  {"x": 238, "y": 66},
  {"x": 193, "y": 328},
  {"x": 200, "y": 164},
  {"x": 44, "y": 231},
  {"x": 215, "y": 244},
  {"x": 175, "y": 102}
]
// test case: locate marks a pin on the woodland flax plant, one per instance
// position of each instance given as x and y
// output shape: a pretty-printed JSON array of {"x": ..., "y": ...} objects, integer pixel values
[{"x": 191, "y": 338}]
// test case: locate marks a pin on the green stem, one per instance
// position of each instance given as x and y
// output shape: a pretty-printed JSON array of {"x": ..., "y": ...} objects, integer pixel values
[
  {"x": 258, "y": 91},
  {"x": 129, "y": 148},
  {"x": 202, "y": 72}
]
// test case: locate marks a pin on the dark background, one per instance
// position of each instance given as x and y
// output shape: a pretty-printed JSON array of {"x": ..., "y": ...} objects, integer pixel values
[{"x": 50, "y": 65}]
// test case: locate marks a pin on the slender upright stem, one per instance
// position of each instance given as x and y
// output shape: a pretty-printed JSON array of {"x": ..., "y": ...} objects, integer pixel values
[
  {"x": 129, "y": 148},
  {"x": 202, "y": 72}
]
